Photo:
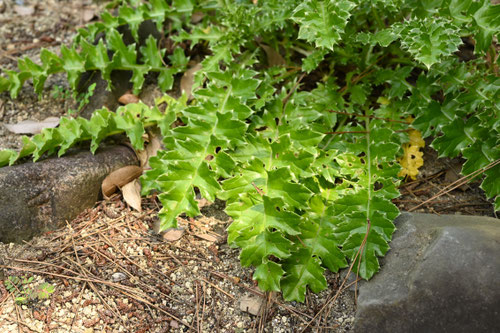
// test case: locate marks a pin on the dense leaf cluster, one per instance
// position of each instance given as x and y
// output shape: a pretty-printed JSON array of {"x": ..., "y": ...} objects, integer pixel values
[{"x": 304, "y": 154}]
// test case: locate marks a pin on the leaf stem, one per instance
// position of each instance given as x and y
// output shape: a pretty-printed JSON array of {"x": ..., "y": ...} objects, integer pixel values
[{"x": 377, "y": 18}]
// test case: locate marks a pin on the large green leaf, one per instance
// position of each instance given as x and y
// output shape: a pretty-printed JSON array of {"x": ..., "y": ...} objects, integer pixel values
[{"x": 302, "y": 270}]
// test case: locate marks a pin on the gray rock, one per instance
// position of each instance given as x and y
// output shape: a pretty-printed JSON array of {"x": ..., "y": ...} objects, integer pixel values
[
  {"x": 37, "y": 197},
  {"x": 442, "y": 274}
]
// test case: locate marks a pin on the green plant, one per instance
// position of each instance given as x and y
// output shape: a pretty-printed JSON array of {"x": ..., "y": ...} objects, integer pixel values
[
  {"x": 81, "y": 99},
  {"x": 59, "y": 92},
  {"x": 23, "y": 292},
  {"x": 304, "y": 154}
]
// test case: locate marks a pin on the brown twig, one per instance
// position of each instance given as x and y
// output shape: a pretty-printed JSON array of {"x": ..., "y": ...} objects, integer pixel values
[
  {"x": 217, "y": 288},
  {"x": 19, "y": 329},
  {"x": 264, "y": 310},
  {"x": 258, "y": 189},
  {"x": 24, "y": 48},
  {"x": 462, "y": 181},
  {"x": 290, "y": 93},
  {"x": 347, "y": 132},
  {"x": 76, "y": 307},
  {"x": 369, "y": 116}
]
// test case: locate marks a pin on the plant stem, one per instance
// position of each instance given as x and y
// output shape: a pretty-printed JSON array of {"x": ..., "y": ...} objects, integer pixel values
[{"x": 376, "y": 15}]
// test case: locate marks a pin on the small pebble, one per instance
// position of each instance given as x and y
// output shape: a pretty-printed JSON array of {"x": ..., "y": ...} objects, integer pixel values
[{"x": 117, "y": 277}]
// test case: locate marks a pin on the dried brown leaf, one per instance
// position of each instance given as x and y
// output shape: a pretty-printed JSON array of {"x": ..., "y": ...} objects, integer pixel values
[
  {"x": 207, "y": 237},
  {"x": 173, "y": 234},
  {"x": 251, "y": 304},
  {"x": 203, "y": 203},
  {"x": 142, "y": 156},
  {"x": 31, "y": 126},
  {"x": 453, "y": 174},
  {"x": 187, "y": 79},
  {"x": 273, "y": 57},
  {"x": 153, "y": 146},
  {"x": 119, "y": 178},
  {"x": 88, "y": 14},
  {"x": 128, "y": 98},
  {"x": 197, "y": 17},
  {"x": 132, "y": 194}
]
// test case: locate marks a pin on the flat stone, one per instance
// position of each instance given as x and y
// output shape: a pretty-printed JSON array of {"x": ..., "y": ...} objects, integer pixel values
[
  {"x": 442, "y": 274},
  {"x": 38, "y": 197}
]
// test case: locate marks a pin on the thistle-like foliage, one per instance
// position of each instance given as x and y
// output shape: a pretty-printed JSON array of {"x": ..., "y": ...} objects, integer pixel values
[{"x": 306, "y": 164}]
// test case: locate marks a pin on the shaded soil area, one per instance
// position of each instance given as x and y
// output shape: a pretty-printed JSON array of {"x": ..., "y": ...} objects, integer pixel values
[{"x": 440, "y": 189}]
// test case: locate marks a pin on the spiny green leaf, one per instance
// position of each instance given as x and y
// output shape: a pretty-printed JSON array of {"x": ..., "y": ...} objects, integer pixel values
[
  {"x": 262, "y": 246},
  {"x": 70, "y": 132},
  {"x": 323, "y": 21},
  {"x": 431, "y": 120},
  {"x": 73, "y": 64},
  {"x": 385, "y": 37},
  {"x": 268, "y": 274},
  {"x": 133, "y": 17},
  {"x": 480, "y": 154},
  {"x": 124, "y": 55},
  {"x": 302, "y": 270},
  {"x": 97, "y": 58},
  {"x": 318, "y": 235},
  {"x": 158, "y": 12},
  {"x": 183, "y": 6},
  {"x": 179, "y": 59},
  {"x": 491, "y": 183},
  {"x": 36, "y": 71},
  {"x": 312, "y": 61},
  {"x": 487, "y": 17},
  {"x": 454, "y": 141},
  {"x": 366, "y": 265},
  {"x": 252, "y": 217},
  {"x": 430, "y": 39}
]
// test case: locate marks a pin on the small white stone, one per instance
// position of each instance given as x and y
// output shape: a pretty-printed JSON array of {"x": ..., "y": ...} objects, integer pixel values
[
  {"x": 87, "y": 311},
  {"x": 118, "y": 276}
]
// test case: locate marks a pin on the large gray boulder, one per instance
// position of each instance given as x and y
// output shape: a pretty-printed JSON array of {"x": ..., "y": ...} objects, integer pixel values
[
  {"x": 442, "y": 274},
  {"x": 37, "y": 197}
]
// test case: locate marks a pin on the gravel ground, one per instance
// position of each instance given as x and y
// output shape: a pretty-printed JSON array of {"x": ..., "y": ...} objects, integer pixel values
[
  {"x": 52, "y": 23},
  {"x": 111, "y": 273}
]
